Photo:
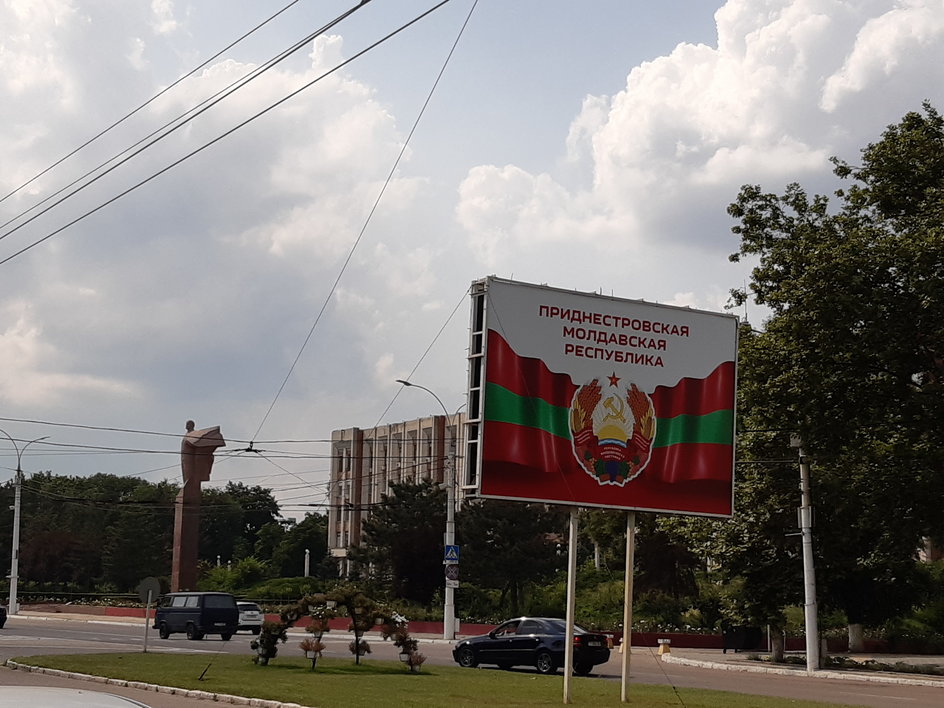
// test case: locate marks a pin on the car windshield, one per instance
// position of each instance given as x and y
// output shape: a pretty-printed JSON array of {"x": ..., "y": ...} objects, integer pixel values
[{"x": 248, "y": 607}]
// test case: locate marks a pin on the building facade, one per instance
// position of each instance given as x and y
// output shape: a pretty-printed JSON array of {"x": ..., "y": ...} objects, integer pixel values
[{"x": 366, "y": 462}]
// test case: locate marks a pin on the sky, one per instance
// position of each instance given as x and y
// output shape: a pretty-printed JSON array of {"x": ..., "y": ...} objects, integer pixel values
[{"x": 280, "y": 279}]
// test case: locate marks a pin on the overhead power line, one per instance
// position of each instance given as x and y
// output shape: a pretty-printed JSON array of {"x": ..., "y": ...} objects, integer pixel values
[
  {"x": 217, "y": 139},
  {"x": 373, "y": 209},
  {"x": 145, "y": 104},
  {"x": 168, "y": 129}
]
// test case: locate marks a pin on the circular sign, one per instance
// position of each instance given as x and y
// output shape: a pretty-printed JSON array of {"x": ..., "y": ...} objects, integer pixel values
[
  {"x": 149, "y": 585},
  {"x": 452, "y": 571}
]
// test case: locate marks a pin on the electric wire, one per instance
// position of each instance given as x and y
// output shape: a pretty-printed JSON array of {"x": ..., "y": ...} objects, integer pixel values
[
  {"x": 217, "y": 139},
  {"x": 370, "y": 215},
  {"x": 145, "y": 104},
  {"x": 174, "y": 125},
  {"x": 138, "y": 431},
  {"x": 423, "y": 356},
  {"x": 360, "y": 235}
]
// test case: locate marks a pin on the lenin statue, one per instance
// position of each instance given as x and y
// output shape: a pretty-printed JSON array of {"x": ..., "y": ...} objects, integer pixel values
[{"x": 196, "y": 461}]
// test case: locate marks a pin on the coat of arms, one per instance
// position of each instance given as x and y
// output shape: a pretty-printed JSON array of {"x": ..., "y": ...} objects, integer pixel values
[{"x": 612, "y": 427}]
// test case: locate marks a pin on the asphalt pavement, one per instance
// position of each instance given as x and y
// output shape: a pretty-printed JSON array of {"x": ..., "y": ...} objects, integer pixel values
[{"x": 702, "y": 658}]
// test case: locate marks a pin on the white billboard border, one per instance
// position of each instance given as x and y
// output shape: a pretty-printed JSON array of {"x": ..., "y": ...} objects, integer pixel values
[{"x": 479, "y": 358}]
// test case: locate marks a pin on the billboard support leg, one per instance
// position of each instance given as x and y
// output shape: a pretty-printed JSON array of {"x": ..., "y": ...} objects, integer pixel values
[
  {"x": 628, "y": 604},
  {"x": 571, "y": 603}
]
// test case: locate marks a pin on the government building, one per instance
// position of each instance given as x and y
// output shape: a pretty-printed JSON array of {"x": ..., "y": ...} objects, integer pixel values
[{"x": 364, "y": 463}]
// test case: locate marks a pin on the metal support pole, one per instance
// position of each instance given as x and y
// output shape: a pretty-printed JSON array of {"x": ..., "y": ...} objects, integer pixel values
[
  {"x": 17, "y": 497},
  {"x": 15, "y": 551},
  {"x": 449, "y": 606},
  {"x": 809, "y": 570},
  {"x": 449, "y": 538},
  {"x": 805, "y": 521},
  {"x": 628, "y": 604},
  {"x": 147, "y": 618},
  {"x": 571, "y": 603},
  {"x": 307, "y": 562}
]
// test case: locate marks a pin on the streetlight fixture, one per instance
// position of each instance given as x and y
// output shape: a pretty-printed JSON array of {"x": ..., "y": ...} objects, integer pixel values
[
  {"x": 449, "y": 604},
  {"x": 15, "y": 553}
]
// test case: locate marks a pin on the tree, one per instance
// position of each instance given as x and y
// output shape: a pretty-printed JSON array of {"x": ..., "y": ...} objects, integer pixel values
[
  {"x": 311, "y": 533},
  {"x": 139, "y": 543},
  {"x": 852, "y": 356},
  {"x": 665, "y": 563},
  {"x": 607, "y": 532},
  {"x": 403, "y": 541},
  {"x": 510, "y": 546}
]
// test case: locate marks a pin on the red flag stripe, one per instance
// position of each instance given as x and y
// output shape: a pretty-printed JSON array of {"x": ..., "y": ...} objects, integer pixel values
[
  {"x": 526, "y": 376},
  {"x": 697, "y": 396}
]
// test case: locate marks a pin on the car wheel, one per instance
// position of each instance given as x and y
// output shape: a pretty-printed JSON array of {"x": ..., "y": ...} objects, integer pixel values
[
  {"x": 583, "y": 668},
  {"x": 193, "y": 632},
  {"x": 466, "y": 658},
  {"x": 256, "y": 630},
  {"x": 164, "y": 631},
  {"x": 544, "y": 663},
  {"x": 226, "y": 636}
]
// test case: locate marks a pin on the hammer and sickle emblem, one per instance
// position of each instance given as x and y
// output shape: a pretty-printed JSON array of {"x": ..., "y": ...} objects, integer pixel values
[{"x": 616, "y": 408}]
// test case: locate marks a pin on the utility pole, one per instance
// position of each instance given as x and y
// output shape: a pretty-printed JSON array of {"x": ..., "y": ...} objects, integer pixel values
[
  {"x": 805, "y": 519},
  {"x": 449, "y": 606},
  {"x": 13, "y": 607},
  {"x": 449, "y": 538}
]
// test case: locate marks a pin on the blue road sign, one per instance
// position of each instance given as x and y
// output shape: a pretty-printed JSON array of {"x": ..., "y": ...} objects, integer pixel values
[{"x": 451, "y": 554}]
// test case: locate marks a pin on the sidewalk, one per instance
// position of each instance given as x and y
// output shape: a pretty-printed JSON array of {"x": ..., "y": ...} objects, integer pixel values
[{"x": 731, "y": 661}]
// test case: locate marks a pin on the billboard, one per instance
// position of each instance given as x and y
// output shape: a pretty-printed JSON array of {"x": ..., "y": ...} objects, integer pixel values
[{"x": 588, "y": 400}]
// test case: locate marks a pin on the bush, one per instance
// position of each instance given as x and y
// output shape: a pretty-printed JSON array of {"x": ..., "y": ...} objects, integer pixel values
[{"x": 282, "y": 591}]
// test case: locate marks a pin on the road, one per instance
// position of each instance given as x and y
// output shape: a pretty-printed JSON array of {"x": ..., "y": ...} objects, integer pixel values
[{"x": 24, "y": 637}]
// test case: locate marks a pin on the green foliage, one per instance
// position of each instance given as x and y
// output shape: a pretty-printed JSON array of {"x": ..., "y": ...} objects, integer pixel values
[
  {"x": 606, "y": 530},
  {"x": 284, "y": 590},
  {"x": 234, "y": 578},
  {"x": 231, "y": 519},
  {"x": 663, "y": 558},
  {"x": 288, "y": 554},
  {"x": 402, "y": 541},
  {"x": 512, "y": 547},
  {"x": 853, "y": 360},
  {"x": 266, "y": 644},
  {"x": 600, "y": 606}
]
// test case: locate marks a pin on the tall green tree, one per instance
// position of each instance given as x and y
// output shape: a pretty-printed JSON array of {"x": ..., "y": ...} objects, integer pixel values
[
  {"x": 511, "y": 546},
  {"x": 403, "y": 541},
  {"x": 852, "y": 357}
]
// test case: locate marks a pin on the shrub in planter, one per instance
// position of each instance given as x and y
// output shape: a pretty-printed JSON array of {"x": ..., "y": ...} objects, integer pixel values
[
  {"x": 359, "y": 648},
  {"x": 266, "y": 644},
  {"x": 312, "y": 648}
]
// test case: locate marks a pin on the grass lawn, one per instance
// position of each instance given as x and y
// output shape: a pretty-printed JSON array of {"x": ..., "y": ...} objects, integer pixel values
[{"x": 339, "y": 683}]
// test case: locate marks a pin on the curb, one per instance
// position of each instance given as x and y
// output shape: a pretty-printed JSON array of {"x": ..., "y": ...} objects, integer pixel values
[
  {"x": 172, "y": 690},
  {"x": 825, "y": 674}
]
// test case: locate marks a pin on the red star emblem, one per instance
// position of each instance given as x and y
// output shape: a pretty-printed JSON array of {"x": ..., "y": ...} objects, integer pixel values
[{"x": 614, "y": 379}]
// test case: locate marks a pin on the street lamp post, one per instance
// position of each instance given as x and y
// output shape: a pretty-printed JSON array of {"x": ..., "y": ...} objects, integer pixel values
[
  {"x": 15, "y": 552},
  {"x": 449, "y": 604}
]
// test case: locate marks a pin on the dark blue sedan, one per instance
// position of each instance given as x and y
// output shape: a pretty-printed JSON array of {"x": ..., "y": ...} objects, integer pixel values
[{"x": 533, "y": 641}]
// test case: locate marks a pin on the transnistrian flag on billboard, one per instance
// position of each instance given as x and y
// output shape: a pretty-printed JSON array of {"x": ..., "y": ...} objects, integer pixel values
[{"x": 598, "y": 401}]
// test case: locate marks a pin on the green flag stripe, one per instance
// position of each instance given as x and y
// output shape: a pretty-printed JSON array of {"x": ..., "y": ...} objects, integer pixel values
[
  {"x": 503, "y": 406},
  {"x": 717, "y": 427}
]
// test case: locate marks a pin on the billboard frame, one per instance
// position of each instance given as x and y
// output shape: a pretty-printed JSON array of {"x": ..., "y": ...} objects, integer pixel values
[{"x": 716, "y": 332}]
